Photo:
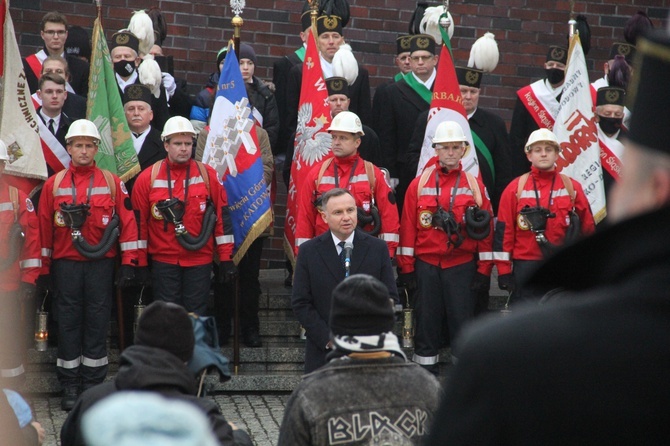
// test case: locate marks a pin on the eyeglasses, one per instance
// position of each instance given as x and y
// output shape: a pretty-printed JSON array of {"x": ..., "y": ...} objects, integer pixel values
[{"x": 55, "y": 32}]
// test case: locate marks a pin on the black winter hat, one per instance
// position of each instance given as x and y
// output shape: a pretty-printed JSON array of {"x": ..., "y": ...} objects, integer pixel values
[
  {"x": 361, "y": 306},
  {"x": 166, "y": 326}
]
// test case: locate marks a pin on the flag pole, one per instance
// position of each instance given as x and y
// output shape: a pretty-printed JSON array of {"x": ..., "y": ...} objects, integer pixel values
[
  {"x": 237, "y": 6},
  {"x": 445, "y": 22},
  {"x": 572, "y": 23}
]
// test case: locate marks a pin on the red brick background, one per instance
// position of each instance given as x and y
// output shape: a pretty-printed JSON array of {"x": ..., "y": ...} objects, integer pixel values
[{"x": 199, "y": 28}]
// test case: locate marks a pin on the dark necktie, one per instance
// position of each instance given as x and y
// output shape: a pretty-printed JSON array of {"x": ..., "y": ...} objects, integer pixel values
[
  {"x": 341, "y": 245},
  {"x": 137, "y": 135},
  {"x": 51, "y": 126}
]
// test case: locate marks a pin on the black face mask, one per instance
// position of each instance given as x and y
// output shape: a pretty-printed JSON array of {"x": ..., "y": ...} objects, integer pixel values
[
  {"x": 610, "y": 125},
  {"x": 555, "y": 76},
  {"x": 124, "y": 68}
]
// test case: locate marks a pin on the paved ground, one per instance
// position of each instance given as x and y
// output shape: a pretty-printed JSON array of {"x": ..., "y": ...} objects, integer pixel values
[{"x": 259, "y": 415}]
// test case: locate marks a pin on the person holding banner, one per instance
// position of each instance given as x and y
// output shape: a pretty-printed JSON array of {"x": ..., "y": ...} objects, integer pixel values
[
  {"x": 589, "y": 367},
  {"x": 84, "y": 211},
  {"x": 537, "y": 107},
  {"x": 446, "y": 238},
  {"x": 400, "y": 107},
  {"x": 609, "y": 117},
  {"x": 539, "y": 212},
  {"x": 183, "y": 218}
]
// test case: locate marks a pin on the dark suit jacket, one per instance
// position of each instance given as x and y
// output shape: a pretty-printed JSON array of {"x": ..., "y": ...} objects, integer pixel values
[
  {"x": 75, "y": 106},
  {"x": 79, "y": 72},
  {"x": 587, "y": 368},
  {"x": 318, "y": 270},
  {"x": 61, "y": 131},
  {"x": 280, "y": 70},
  {"x": 152, "y": 151}
]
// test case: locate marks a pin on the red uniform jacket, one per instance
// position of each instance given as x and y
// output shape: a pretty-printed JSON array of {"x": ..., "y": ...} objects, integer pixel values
[
  {"x": 309, "y": 222},
  {"x": 158, "y": 236},
  {"x": 27, "y": 267},
  {"x": 419, "y": 239},
  {"x": 56, "y": 235},
  {"x": 514, "y": 239}
]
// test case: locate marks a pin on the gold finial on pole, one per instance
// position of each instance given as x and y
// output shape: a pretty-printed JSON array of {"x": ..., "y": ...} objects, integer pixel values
[
  {"x": 314, "y": 6},
  {"x": 237, "y": 6}
]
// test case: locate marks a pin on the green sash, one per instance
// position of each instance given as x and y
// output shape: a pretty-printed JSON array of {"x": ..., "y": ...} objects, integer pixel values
[
  {"x": 479, "y": 144},
  {"x": 300, "y": 52},
  {"x": 397, "y": 77},
  {"x": 418, "y": 87}
]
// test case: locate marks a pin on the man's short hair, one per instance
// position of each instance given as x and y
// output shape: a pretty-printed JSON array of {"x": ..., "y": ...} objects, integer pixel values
[
  {"x": 60, "y": 59},
  {"x": 336, "y": 192},
  {"x": 53, "y": 17},
  {"x": 52, "y": 77}
]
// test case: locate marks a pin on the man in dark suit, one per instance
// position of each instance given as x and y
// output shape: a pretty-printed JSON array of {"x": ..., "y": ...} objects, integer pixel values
[
  {"x": 52, "y": 93},
  {"x": 588, "y": 367},
  {"x": 400, "y": 106},
  {"x": 329, "y": 41},
  {"x": 321, "y": 265},
  {"x": 146, "y": 139},
  {"x": 75, "y": 105},
  {"x": 54, "y": 31}
]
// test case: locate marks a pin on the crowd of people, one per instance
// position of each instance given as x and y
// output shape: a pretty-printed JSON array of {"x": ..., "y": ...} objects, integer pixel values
[{"x": 371, "y": 206}]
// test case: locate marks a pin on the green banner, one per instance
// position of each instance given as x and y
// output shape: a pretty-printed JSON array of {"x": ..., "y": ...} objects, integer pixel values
[{"x": 116, "y": 152}]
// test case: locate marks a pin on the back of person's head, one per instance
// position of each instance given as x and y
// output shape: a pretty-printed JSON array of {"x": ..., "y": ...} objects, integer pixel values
[
  {"x": 166, "y": 326},
  {"x": 145, "y": 419},
  {"x": 361, "y": 306}
]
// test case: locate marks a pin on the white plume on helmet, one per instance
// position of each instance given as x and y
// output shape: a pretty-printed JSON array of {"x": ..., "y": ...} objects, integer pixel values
[
  {"x": 150, "y": 74},
  {"x": 484, "y": 54},
  {"x": 430, "y": 24},
  {"x": 143, "y": 28},
  {"x": 345, "y": 64}
]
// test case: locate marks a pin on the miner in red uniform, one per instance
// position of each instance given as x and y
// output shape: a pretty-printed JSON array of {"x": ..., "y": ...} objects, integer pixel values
[
  {"x": 182, "y": 219},
  {"x": 84, "y": 211},
  {"x": 538, "y": 211},
  {"x": 445, "y": 247},
  {"x": 377, "y": 211},
  {"x": 20, "y": 264}
]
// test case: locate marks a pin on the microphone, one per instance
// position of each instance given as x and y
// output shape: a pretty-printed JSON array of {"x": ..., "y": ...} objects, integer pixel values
[{"x": 348, "y": 248}]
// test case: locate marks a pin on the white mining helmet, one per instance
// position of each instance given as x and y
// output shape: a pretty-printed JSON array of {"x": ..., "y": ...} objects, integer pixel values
[
  {"x": 3, "y": 151},
  {"x": 542, "y": 135},
  {"x": 347, "y": 121},
  {"x": 176, "y": 125},
  {"x": 449, "y": 131},
  {"x": 83, "y": 127}
]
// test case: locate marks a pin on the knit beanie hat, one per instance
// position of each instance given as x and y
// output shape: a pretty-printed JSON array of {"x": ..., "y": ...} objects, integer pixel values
[
  {"x": 247, "y": 52},
  {"x": 361, "y": 306},
  {"x": 166, "y": 326}
]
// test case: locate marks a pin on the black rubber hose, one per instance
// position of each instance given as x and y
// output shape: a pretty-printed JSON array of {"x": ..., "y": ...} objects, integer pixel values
[
  {"x": 109, "y": 237},
  {"x": 187, "y": 241},
  {"x": 477, "y": 223},
  {"x": 373, "y": 218}
]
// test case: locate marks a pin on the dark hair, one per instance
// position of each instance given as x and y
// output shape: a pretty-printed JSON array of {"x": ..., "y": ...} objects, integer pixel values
[
  {"x": 336, "y": 192},
  {"x": 53, "y": 17},
  {"x": 52, "y": 77}
]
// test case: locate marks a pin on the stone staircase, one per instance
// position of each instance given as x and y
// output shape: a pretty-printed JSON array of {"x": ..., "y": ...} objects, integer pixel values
[{"x": 277, "y": 366}]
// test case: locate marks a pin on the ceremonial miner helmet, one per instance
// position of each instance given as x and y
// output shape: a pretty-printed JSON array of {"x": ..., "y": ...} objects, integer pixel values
[
  {"x": 347, "y": 121},
  {"x": 175, "y": 125},
  {"x": 449, "y": 131},
  {"x": 83, "y": 127},
  {"x": 542, "y": 135}
]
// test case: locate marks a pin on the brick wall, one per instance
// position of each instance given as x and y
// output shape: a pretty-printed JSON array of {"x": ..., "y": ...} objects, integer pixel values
[{"x": 199, "y": 28}]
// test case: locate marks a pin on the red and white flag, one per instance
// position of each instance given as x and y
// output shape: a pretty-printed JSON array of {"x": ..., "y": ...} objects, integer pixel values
[
  {"x": 447, "y": 105},
  {"x": 312, "y": 141},
  {"x": 18, "y": 120},
  {"x": 577, "y": 133}
]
